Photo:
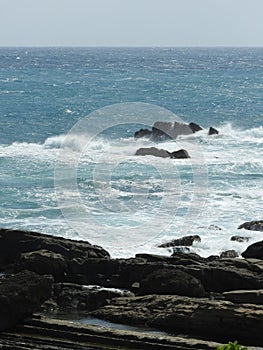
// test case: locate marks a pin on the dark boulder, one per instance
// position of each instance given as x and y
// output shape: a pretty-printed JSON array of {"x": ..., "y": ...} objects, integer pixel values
[
  {"x": 180, "y": 154},
  {"x": 252, "y": 225},
  {"x": 171, "y": 281},
  {"x": 254, "y": 251},
  {"x": 184, "y": 241},
  {"x": 43, "y": 262},
  {"x": 15, "y": 243},
  {"x": 142, "y": 133},
  {"x": 212, "y": 131},
  {"x": 21, "y": 295}
]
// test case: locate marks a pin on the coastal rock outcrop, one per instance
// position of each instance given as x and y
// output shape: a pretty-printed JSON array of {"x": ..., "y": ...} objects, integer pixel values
[
  {"x": 186, "y": 241},
  {"x": 142, "y": 133},
  {"x": 21, "y": 295},
  {"x": 74, "y": 297},
  {"x": 171, "y": 281},
  {"x": 256, "y": 225},
  {"x": 180, "y": 154},
  {"x": 153, "y": 151},
  {"x": 182, "y": 293},
  {"x": 217, "y": 319},
  {"x": 44, "y": 254},
  {"x": 162, "y": 130}
]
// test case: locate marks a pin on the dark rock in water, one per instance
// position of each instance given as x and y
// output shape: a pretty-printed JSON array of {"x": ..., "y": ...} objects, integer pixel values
[
  {"x": 252, "y": 225},
  {"x": 21, "y": 295},
  {"x": 184, "y": 241},
  {"x": 73, "y": 297},
  {"x": 214, "y": 227},
  {"x": 212, "y": 131},
  {"x": 229, "y": 254},
  {"x": 152, "y": 151},
  {"x": 167, "y": 130},
  {"x": 181, "y": 154},
  {"x": 195, "y": 127},
  {"x": 162, "y": 131},
  {"x": 254, "y": 251},
  {"x": 240, "y": 239},
  {"x": 171, "y": 281},
  {"x": 142, "y": 133}
]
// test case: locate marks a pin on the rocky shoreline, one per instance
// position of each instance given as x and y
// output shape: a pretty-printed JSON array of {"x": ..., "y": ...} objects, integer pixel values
[{"x": 207, "y": 300}]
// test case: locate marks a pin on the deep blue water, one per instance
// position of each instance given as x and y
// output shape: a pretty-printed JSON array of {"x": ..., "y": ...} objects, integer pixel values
[{"x": 44, "y": 92}]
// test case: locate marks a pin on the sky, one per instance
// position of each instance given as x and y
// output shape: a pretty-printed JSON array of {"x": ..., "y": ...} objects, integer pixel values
[{"x": 131, "y": 23}]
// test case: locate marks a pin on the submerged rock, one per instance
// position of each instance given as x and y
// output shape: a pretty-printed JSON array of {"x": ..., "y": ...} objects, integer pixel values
[
  {"x": 240, "y": 239},
  {"x": 21, "y": 295},
  {"x": 252, "y": 225}
]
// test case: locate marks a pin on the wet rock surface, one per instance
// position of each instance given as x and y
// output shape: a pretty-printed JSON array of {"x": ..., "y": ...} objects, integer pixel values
[
  {"x": 212, "y": 298},
  {"x": 220, "y": 319}
]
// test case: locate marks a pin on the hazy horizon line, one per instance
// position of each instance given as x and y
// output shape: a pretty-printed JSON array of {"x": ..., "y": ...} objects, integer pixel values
[{"x": 132, "y": 46}]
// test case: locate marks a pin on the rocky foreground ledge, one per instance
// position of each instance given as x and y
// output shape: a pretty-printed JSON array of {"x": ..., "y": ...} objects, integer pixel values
[{"x": 197, "y": 301}]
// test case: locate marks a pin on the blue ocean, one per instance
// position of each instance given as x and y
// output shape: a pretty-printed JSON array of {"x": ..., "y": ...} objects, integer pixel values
[{"x": 67, "y": 151}]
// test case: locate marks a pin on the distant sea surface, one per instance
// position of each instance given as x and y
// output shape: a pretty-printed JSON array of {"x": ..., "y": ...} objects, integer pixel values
[{"x": 44, "y": 92}]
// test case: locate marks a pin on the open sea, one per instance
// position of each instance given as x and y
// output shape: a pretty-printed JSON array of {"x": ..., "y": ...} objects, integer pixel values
[{"x": 67, "y": 152}]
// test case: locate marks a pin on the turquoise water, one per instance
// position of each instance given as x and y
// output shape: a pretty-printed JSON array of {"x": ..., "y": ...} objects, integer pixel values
[{"x": 45, "y": 92}]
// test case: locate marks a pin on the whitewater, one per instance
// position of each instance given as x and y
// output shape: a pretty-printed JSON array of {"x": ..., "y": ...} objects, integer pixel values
[{"x": 131, "y": 204}]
